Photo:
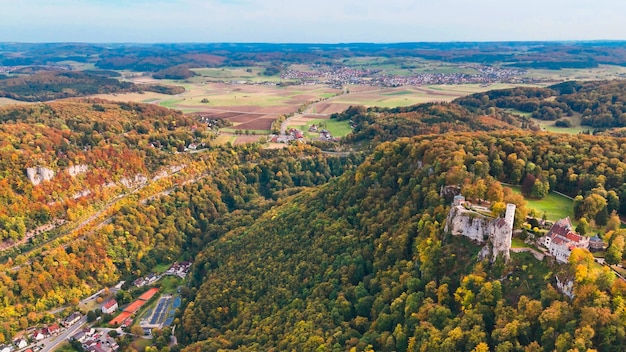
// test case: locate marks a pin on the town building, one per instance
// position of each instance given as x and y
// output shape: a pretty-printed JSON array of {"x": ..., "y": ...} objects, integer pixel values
[
  {"x": 109, "y": 306},
  {"x": 561, "y": 240},
  {"x": 72, "y": 319},
  {"x": 596, "y": 243}
]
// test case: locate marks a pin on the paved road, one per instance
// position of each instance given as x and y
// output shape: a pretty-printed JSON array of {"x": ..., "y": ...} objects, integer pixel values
[{"x": 52, "y": 342}]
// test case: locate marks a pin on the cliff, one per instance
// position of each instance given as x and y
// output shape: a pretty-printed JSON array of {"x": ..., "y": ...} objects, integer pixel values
[{"x": 495, "y": 234}]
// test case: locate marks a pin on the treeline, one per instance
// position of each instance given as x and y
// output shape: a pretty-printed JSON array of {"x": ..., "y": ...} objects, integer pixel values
[
  {"x": 363, "y": 263},
  {"x": 51, "y": 85},
  {"x": 601, "y": 103}
]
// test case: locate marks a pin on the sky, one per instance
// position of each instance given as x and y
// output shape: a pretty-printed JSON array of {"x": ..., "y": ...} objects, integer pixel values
[{"x": 309, "y": 21}]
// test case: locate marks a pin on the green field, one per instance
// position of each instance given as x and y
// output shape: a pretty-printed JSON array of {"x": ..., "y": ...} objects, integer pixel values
[
  {"x": 598, "y": 73},
  {"x": 405, "y": 66},
  {"x": 549, "y": 126},
  {"x": 555, "y": 206},
  {"x": 336, "y": 128},
  {"x": 225, "y": 138},
  {"x": 248, "y": 74},
  {"x": 517, "y": 242}
]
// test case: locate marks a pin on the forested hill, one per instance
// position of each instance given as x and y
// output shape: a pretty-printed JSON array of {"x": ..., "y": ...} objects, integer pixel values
[
  {"x": 50, "y": 85},
  {"x": 363, "y": 261},
  {"x": 374, "y": 125},
  {"x": 601, "y": 103},
  {"x": 107, "y": 143}
]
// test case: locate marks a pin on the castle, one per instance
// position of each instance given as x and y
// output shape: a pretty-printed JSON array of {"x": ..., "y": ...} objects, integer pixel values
[{"x": 496, "y": 234}]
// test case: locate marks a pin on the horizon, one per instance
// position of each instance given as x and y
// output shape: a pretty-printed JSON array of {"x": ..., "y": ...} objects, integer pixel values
[{"x": 563, "y": 41}]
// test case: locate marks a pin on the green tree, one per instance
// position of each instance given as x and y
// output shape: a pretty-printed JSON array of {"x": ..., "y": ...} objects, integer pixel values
[{"x": 583, "y": 227}]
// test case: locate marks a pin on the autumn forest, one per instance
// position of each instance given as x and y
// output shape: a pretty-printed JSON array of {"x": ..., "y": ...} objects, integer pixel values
[{"x": 334, "y": 245}]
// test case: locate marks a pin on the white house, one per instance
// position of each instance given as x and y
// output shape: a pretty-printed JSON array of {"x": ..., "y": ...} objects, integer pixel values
[
  {"x": 38, "y": 336},
  {"x": 109, "y": 306},
  {"x": 561, "y": 240},
  {"x": 20, "y": 343}
]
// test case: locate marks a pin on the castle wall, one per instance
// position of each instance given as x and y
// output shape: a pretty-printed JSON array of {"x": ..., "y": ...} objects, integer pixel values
[
  {"x": 464, "y": 223},
  {"x": 495, "y": 233}
]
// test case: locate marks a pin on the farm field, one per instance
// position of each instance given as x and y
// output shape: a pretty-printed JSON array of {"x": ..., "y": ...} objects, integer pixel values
[
  {"x": 410, "y": 95},
  {"x": 146, "y": 97},
  {"x": 406, "y": 66},
  {"x": 7, "y": 101},
  {"x": 556, "y": 76},
  {"x": 251, "y": 74},
  {"x": 336, "y": 128}
]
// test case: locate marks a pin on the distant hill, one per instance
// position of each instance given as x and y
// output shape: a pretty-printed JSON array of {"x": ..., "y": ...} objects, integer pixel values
[
  {"x": 156, "y": 57},
  {"x": 51, "y": 85},
  {"x": 601, "y": 103},
  {"x": 374, "y": 125}
]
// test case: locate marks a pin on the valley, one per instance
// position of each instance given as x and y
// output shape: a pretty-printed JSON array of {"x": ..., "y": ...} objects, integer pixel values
[{"x": 301, "y": 201}]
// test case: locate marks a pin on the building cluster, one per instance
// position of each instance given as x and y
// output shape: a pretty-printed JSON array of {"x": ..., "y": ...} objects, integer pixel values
[
  {"x": 179, "y": 269},
  {"x": 345, "y": 75},
  {"x": 92, "y": 341},
  {"x": 293, "y": 134},
  {"x": 561, "y": 240},
  {"x": 36, "y": 334},
  {"x": 340, "y": 75},
  {"x": 146, "y": 280}
]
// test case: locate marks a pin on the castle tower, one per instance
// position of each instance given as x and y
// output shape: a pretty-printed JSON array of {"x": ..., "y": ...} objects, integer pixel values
[{"x": 509, "y": 217}]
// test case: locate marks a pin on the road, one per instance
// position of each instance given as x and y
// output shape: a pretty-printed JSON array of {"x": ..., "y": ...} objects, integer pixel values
[{"x": 52, "y": 342}]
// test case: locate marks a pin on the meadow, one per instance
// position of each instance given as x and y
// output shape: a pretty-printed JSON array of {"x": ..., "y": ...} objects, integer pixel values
[
  {"x": 336, "y": 128},
  {"x": 555, "y": 206},
  {"x": 549, "y": 126}
]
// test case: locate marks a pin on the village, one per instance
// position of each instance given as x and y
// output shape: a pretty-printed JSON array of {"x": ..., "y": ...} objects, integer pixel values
[
  {"x": 340, "y": 75},
  {"x": 93, "y": 334}
]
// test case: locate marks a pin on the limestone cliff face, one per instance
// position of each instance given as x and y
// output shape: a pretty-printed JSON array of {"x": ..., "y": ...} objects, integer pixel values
[
  {"x": 500, "y": 235},
  {"x": 77, "y": 170},
  {"x": 495, "y": 234},
  {"x": 462, "y": 222},
  {"x": 38, "y": 174}
]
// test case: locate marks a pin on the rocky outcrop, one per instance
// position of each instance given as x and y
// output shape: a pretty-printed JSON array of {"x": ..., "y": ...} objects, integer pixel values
[
  {"x": 463, "y": 222},
  {"x": 77, "y": 170},
  {"x": 38, "y": 174},
  {"x": 495, "y": 234}
]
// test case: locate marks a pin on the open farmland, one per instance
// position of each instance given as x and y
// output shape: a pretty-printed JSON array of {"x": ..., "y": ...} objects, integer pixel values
[
  {"x": 304, "y": 122},
  {"x": 408, "y": 95},
  {"x": 248, "y": 74},
  {"x": 7, "y": 101}
]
